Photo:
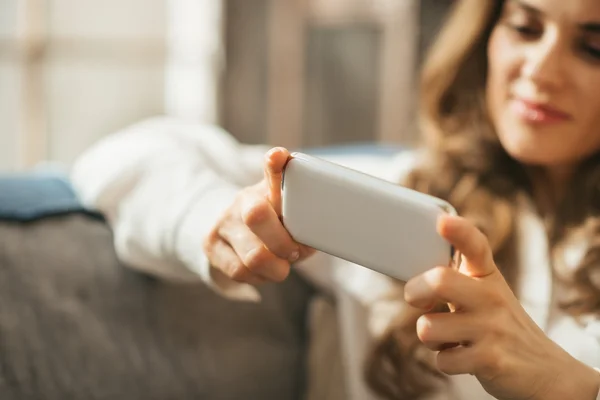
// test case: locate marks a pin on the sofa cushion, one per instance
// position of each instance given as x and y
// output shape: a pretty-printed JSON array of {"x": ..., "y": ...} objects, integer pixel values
[{"x": 75, "y": 324}]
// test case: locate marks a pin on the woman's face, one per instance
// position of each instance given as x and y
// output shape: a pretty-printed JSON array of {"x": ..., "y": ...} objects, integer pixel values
[{"x": 543, "y": 88}]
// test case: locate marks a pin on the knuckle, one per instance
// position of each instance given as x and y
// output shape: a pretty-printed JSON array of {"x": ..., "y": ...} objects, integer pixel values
[
  {"x": 489, "y": 364},
  {"x": 439, "y": 278},
  {"x": 257, "y": 258},
  {"x": 207, "y": 245},
  {"x": 209, "y": 241},
  {"x": 237, "y": 272},
  {"x": 261, "y": 261},
  {"x": 496, "y": 326},
  {"x": 256, "y": 212}
]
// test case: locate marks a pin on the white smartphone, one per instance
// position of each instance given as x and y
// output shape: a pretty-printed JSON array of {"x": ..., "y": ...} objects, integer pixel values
[{"x": 363, "y": 219}]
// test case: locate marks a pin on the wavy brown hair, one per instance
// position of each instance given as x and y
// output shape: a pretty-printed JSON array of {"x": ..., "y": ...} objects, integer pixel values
[{"x": 466, "y": 165}]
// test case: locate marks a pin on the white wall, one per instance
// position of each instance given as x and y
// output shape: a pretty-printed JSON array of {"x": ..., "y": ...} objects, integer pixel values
[
  {"x": 9, "y": 87},
  {"x": 195, "y": 59},
  {"x": 105, "y": 64},
  {"x": 105, "y": 69}
]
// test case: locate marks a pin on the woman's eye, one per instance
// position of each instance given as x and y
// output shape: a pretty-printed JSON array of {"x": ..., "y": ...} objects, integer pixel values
[
  {"x": 526, "y": 30},
  {"x": 592, "y": 51},
  {"x": 590, "y": 46}
]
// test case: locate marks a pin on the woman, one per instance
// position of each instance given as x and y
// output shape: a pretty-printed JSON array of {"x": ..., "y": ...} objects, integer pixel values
[{"x": 510, "y": 115}]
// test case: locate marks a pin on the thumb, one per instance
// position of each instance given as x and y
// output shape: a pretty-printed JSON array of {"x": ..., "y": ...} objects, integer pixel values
[
  {"x": 275, "y": 161},
  {"x": 473, "y": 245}
]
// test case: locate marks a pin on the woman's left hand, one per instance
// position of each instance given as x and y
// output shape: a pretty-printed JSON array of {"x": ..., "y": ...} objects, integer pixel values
[{"x": 489, "y": 334}]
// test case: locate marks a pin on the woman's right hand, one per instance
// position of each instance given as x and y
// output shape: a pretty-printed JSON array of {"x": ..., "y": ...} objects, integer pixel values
[{"x": 249, "y": 243}]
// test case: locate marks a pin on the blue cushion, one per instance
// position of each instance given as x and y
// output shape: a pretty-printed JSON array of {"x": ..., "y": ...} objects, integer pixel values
[{"x": 32, "y": 195}]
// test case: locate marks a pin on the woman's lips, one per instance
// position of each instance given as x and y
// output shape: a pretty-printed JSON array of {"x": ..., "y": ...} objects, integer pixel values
[{"x": 537, "y": 113}]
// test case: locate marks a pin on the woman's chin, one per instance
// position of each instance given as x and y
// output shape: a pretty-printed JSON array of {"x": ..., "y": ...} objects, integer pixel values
[
  {"x": 541, "y": 156},
  {"x": 542, "y": 146},
  {"x": 533, "y": 154},
  {"x": 531, "y": 147}
]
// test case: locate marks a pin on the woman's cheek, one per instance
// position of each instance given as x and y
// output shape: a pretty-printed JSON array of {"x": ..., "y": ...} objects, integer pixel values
[{"x": 502, "y": 68}]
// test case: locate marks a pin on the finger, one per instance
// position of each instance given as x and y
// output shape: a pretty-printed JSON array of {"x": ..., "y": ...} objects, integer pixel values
[
  {"x": 254, "y": 255},
  {"x": 275, "y": 161},
  {"x": 306, "y": 251},
  {"x": 222, "y": 257},
  {"x": 439, "y": 331},
  {"x": 473, "y": 244},
  {"x": 445, "y": 285},
  {"x": 457, "y": 360},
  {"x": 258, "y": 214}
]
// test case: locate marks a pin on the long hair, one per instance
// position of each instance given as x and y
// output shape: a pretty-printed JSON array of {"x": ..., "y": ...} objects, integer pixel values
[{"x": 465, "y": 164}]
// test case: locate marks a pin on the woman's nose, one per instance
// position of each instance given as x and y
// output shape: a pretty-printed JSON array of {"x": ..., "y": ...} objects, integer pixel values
[{"x": 545, "y": 61}]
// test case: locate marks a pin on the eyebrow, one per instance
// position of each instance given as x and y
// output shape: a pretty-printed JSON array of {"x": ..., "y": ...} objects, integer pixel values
[
  {"x": 527, "y": 7},
  {"x": 590, "y": 27}
]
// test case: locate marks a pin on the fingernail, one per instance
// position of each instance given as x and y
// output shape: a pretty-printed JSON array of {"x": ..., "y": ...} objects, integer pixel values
[{"x": 294, "y": 256}]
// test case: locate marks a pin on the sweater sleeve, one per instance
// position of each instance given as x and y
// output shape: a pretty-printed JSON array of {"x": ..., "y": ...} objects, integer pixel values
[{"x": 162, "y": 184}]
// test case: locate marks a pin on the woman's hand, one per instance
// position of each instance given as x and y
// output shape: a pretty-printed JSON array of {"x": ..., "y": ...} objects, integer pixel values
[
  {"x": 249, "y": 243},
  {"x": 489, "y": 335}
]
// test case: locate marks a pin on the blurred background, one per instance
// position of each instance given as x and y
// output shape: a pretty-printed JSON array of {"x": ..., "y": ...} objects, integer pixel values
[{"x": 283, "y": 72}]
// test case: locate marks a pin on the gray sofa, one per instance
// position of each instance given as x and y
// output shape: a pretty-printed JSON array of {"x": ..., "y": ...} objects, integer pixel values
[{"x": 76, "y": 324}]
